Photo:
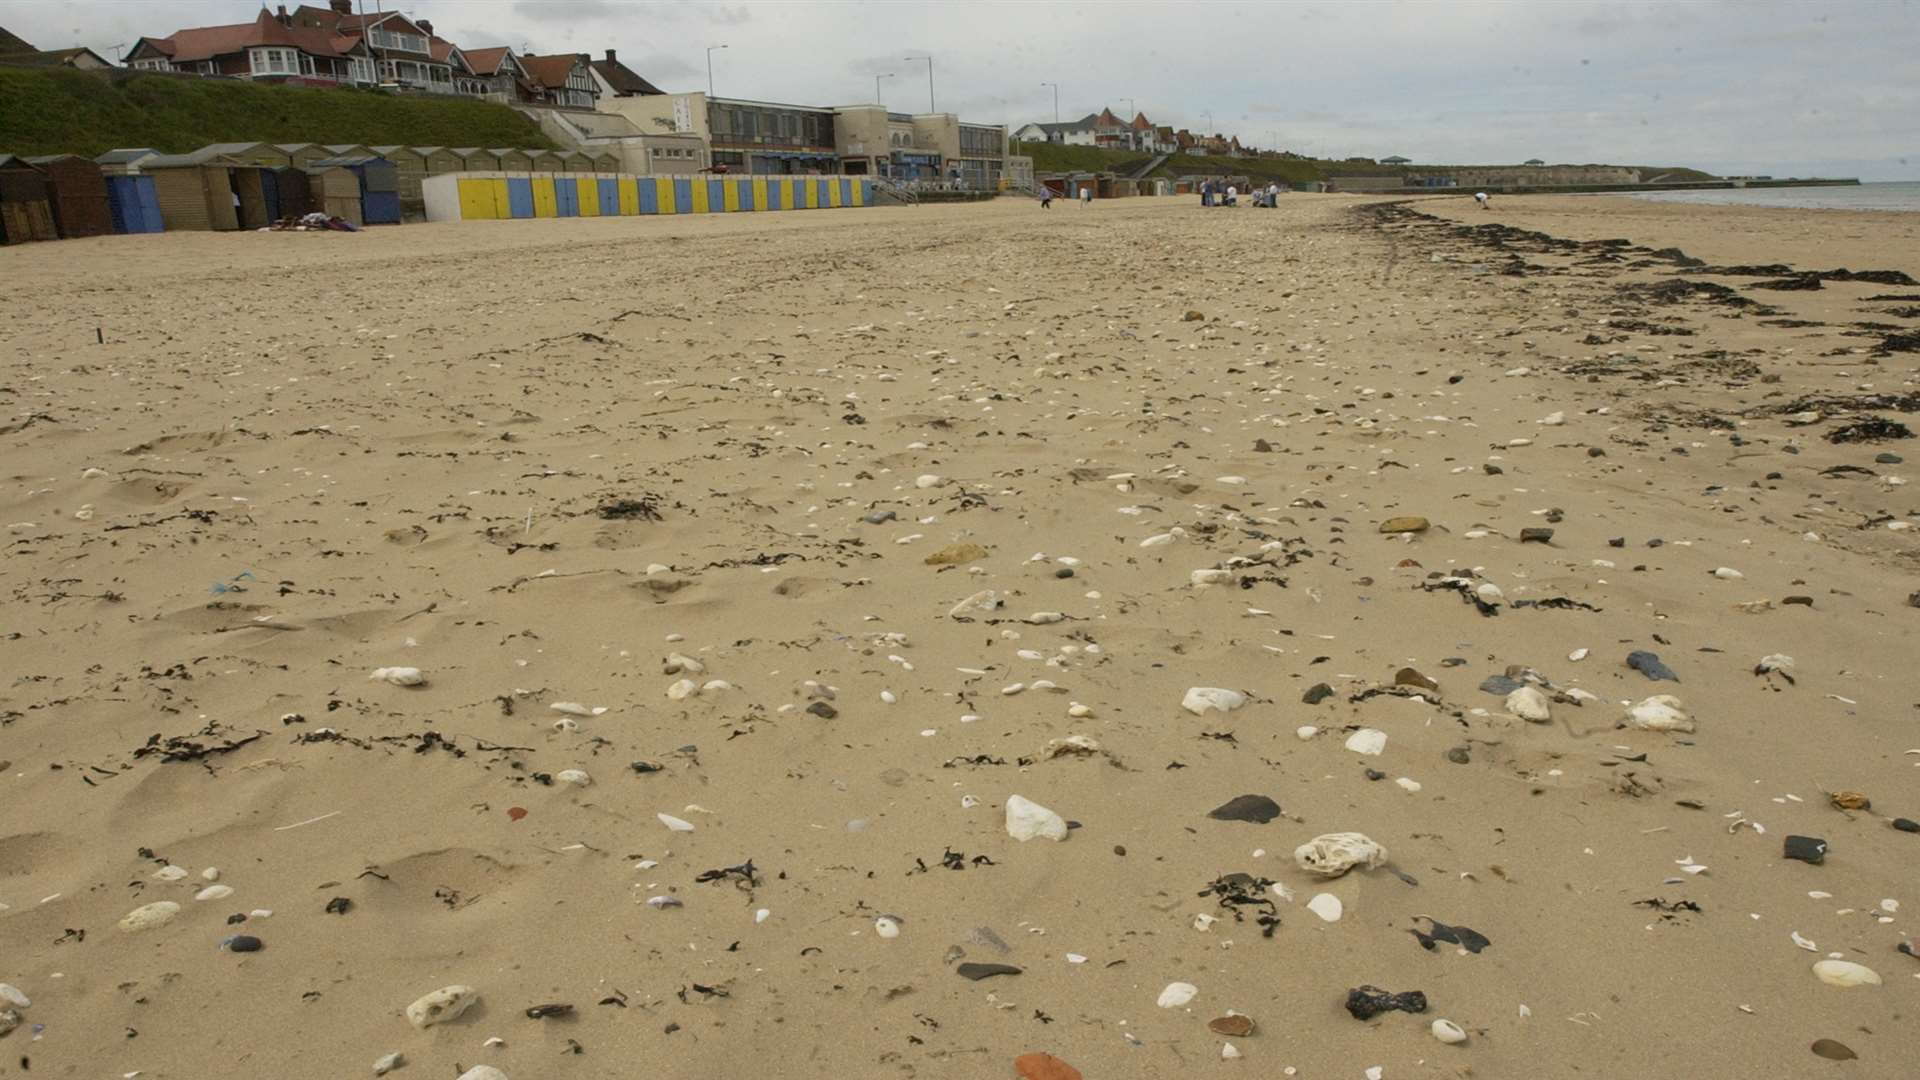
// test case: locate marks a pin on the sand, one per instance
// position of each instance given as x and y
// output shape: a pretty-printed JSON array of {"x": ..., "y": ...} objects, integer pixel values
[{"x": 534, "y": 459}]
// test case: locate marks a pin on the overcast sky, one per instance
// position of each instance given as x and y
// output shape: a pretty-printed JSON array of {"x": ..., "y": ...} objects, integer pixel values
[{"x": 1742, "y": 86}]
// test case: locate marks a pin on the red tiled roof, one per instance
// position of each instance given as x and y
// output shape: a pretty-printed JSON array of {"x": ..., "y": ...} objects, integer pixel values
[
  {"x": 552, "y": 70},
  {"x": 486, "y": 61},
  {"x": 1141, "y": 123},
  {"x": 207, "y": 42}
]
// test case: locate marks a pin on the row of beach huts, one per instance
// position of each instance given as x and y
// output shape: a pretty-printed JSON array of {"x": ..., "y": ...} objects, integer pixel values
[{"x": 227, "y": 186}]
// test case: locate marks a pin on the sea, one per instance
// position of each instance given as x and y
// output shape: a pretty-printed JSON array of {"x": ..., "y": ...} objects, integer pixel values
[{"x": 1900, "y": 195}]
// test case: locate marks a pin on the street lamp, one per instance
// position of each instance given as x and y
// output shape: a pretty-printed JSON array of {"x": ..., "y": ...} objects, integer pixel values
[
  {"x": 876, "y": 88},
  {"x": 710, "y": 49},
  {"x": 929, "y": 61},
  {"x": 1056, "y": 99}
]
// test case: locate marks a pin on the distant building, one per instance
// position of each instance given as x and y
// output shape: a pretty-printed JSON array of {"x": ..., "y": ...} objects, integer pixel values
[
  {"x": 17, "y": 52},
  {"x": 1529, "y": 161},
  {"x": 616, "y": 79},
  {"x": 1396, "y": 161},
  {"x": 563, "y": 79}
]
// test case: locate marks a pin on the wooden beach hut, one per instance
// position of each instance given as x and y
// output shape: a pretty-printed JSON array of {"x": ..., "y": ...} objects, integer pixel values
[
  {"x": 26, "y": 214},
  {"x": 78, "y": 193},
  {"x": 195, "y": 191}
]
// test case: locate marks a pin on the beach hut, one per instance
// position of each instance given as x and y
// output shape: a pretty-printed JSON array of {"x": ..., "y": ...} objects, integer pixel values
[
  {"x": 336, "y": 192},
  {"x": 474, "y": 159},
  {"x": 544, "y": 160},
  {"x": 506, "y": 160},
  {"x": 410, "y": 165},
  {"x": 435, "y": 160},
  {"x": 78, "y": 193},
  {"x": 292, "y": 192},
  {"x": 259, "y": 194},
  {"x": 25, "y": 213},
  {"x": 125, "y": 161},
  {"x": 335, "y": 150},
  {"x": 301, "y": 155},
  {"x": 133, "y": 203},
  {"x": 379, "y": 185},
  {"x": 195, "y": 191},
  {"x": 606, "y": 161},
  {"x": 244, "y": 153},
  {"x": 575, "y": 161}
]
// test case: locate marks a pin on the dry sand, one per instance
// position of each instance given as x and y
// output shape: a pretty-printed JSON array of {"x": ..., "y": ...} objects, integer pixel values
[{"x": 298, "y": 459}]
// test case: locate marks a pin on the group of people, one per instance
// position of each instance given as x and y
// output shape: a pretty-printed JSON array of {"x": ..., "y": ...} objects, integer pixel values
[{"x": 1221, "y": 193}]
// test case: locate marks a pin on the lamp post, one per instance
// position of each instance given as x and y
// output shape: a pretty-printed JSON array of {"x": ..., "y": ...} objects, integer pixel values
[
  {"x": 876, "y": 88},
  {"x": 929, "y": 61},
  {"x": 710, "y": 49},
  {"x": 1056, "y": 99}
]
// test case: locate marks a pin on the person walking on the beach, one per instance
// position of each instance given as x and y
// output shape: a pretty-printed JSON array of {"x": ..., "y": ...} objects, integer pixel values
[
  {"x": 1046, "y": 198},
  {"x": 1485, "y": 200},
  {"x": 1086, "y": 195},
  {"x": 1206, "y": 193}
]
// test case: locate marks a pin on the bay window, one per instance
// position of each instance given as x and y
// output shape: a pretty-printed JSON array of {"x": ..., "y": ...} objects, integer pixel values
[{"x": 273, "y": 61}]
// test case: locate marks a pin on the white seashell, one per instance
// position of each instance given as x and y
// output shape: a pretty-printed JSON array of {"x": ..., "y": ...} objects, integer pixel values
[
  {"x": 1229, "y": 1052},
  {"x": 1448, "y": 1032},
  {"x": 1367, "y": 741},
  {"x": 1163, "y": 539},
  {"x": 1079, "y": 711},
  {"x": 674, "y": 823},
  {"x": 1845, "y": 973},
  {"x": 1728, "y": 573},
  {"x": 444, "y": 1004},
  {"x": 1489, "y": 593},
  {"x": 1177, "y": 994},
  {"x": 1042, "y": 618},
  {"x": 399, "y": 676},
  {"x": 678, "y": 663},
  {"x": 1327, "y": 906},
  {"x": 1305, "y": 732},
  {"x": 148, "y": 916},
  {"x": 886, "y": 927},
  {"x": 571, "y": 708},
  {"x": 1661, "y": 712},
  {"x": 214, "y": 892},
  {"x": 211, "y": 873},
  {"x": 1577, "y": 655},
  {"x": 1529, "y": 704},
  {"x": 982, "y": 602},
  {"x": 1200, "y": 700},
  {"x": 1408, "y": 784},
  {"x": 389, "y": 1063},
  {"x": 1333, "y": 854},
  {"x": 928, "y": 481},
  {"x": 1027, "y": 819},
  {"x": 484, "y": 1072},
  {"x": 170, "y": 873},
  {"x": 1230, "y": 481},
  {"x": 1202, "y": 578},
  {"x": 576, "y": 777},
  {"x": 683, "y": 689},
  {"x": 13, "y": 996}
]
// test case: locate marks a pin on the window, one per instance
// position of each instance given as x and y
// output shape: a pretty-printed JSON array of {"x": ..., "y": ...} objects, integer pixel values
[
  {"x": 388, "y": 39},
  {"x": 362, "y": 69},
  {"x": 274, "y": 61},
  {"x": 155, "y": 64}
]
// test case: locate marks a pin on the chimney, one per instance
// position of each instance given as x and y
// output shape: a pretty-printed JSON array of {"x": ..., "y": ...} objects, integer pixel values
[
  {"x": 285, "y": 19},
  {"x": 611, "y": 59},
  {"x": 342, "y": 7},
  {"x": 425, "y": 26}
]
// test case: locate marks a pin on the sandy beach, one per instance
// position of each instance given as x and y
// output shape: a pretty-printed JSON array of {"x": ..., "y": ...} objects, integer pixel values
[{"x": 751, "y": 564}]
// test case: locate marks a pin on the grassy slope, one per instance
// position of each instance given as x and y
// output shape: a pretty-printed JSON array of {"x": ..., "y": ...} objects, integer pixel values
[
  {"x": 48, "y": 111},
  {"x": 1049, "y": 157}
]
